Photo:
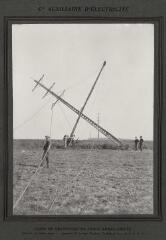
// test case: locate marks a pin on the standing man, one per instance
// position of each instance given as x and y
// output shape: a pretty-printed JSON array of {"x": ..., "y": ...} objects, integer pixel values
[
  {"x": 141, "y": 143},
  {"x": 46, "y": 149},
  {"x": 72, "y": 140},
  {"x": 136, "y": 143},
  {"x": 65, "y": 138}
]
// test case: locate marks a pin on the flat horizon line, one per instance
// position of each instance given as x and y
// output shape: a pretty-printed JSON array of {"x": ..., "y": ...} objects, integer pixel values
[{"x": 97, "y": 139}]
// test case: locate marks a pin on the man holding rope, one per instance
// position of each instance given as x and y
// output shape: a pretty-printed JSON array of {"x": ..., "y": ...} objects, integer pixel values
[{"x": 46, "y": 148}]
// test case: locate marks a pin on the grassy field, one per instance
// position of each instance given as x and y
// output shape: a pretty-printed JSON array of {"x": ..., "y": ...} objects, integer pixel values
[{"x": 83, "y": 180}]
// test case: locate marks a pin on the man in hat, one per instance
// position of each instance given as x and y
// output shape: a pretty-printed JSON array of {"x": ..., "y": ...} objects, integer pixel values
[
  {"x": 65, "y": 138},
  {"x": 46, "y": 148},
  {"x": 136, "y": 143},
  {"x": 141, "y": 143},
  {"x": 72, "y": 140}
]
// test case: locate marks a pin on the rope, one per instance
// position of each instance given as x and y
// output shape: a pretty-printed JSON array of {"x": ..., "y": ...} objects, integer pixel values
[
  {"x": 69, "y": 124},
  {"x": 52, "y": 112},
  {"x": 38, "y": 168},
  {"x": 43, "y": 157},
  {"x": 25, "y": 189},
  {"x": 74, "y": 179},
  {"x": 32, "y": 116}
]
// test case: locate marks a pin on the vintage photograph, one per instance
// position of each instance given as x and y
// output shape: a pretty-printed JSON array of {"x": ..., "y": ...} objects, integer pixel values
[{"x": 83, "y": 106}]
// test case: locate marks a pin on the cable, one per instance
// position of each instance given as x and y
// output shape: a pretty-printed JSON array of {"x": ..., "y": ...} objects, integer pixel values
[
  {"x": 52, "y": 112},
  {"x": 31, "y": 179},
  {"x": 32, "y": 116},
  {"x": 74, "y": 179},
  {"x": 68, "y": 122},
  {"x": 38, "y": 168}
]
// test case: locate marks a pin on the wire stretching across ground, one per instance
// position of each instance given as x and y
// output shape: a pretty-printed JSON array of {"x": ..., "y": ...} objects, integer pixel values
[
  {"x": 38, "y": 168},
  {"x": 73, "y": 182},
  {"x": 30, "y": 181}
]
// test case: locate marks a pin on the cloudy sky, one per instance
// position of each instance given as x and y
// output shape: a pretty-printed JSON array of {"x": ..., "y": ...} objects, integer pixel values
[{"x": 71, "y": 55}]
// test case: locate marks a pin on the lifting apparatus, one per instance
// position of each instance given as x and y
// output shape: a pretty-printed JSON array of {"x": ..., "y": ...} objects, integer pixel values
[{"x": 79, "y": 113}]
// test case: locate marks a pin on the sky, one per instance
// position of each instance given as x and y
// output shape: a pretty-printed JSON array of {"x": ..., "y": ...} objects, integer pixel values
[{"x": 71, "y": 55}]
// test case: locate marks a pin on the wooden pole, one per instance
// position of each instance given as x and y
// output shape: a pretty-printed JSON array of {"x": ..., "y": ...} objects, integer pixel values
[{"x": 82, "y": 109}]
